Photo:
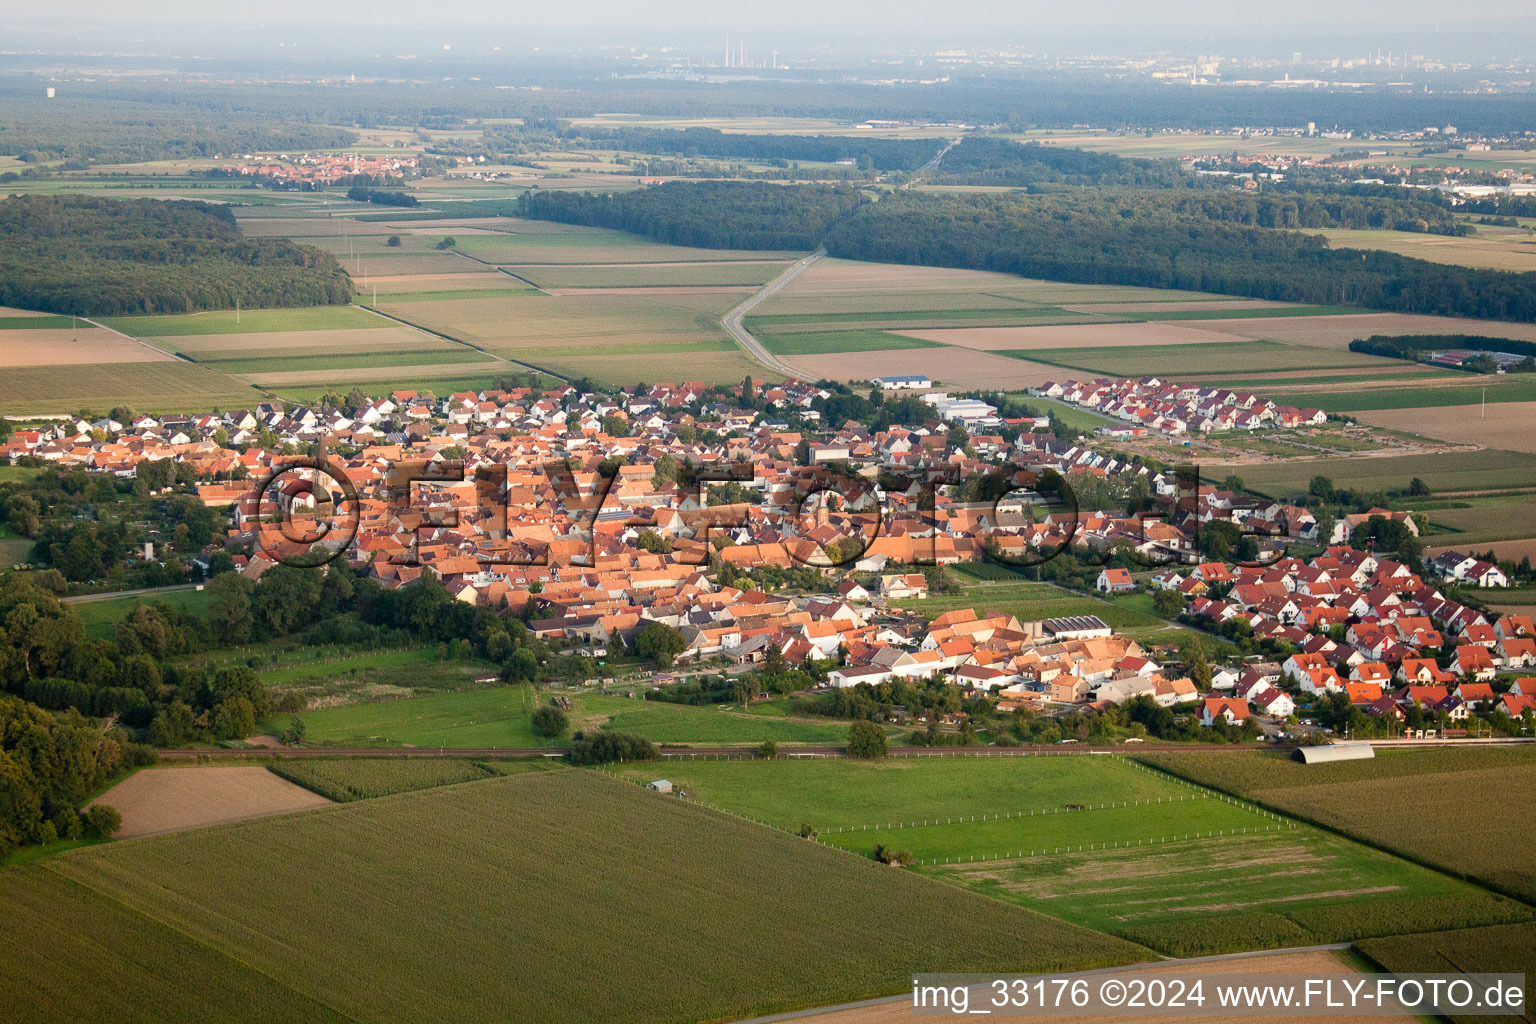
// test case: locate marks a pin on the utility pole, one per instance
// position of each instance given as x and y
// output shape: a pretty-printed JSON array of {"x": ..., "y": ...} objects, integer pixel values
[{"x": 237, "y": 309}]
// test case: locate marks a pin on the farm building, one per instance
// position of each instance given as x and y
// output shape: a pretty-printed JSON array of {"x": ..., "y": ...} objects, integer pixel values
[
  {"x": 659, "y": 786},
  {"x": 898, "y": 381},
  {"x": 1334, "y": 752}
]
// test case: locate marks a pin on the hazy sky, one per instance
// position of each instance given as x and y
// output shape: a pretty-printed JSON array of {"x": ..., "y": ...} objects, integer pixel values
[{"x": 878, "y": 16}]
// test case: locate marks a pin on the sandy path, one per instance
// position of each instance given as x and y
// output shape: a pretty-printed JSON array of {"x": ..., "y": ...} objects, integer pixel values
[
  {"x": 1315, "y": 963},
  {"x": 171, "y": 799}
]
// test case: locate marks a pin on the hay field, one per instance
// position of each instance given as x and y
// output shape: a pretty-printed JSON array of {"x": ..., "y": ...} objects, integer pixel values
[
  {"x": 1506, "y": 425},
  {"x": 489, "y": 280},
  {"x": 249, "y": 321},
  {"x": 1181, "y": 360},
  {"x": 1079, "y": 336},
  {"x": 1490, "y": 249},
  {"x": 650, "y": 275},
  {"x": 169, "y": 386},
  {"x": 69, "y": 347},
  {"x": 369, "y": 905},
  {"x": 571, "y": 323},
  {"x": 567, "y": 244},
  {"x": 368, "y": 370},
  {"x": 385, "y": 337},
  {"x": 947, "y": 367},
  {"x": 1339, "y": 331},
  {"x": 160, "y": 800}
]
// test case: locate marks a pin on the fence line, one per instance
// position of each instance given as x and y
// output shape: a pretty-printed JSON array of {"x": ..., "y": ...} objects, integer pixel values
[{"x": 1117, "y": 845}]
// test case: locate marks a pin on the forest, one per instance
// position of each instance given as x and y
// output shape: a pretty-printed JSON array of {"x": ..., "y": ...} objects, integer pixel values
[
  {"x": 990, "y": 160},
  {"x": 110, "y": 130},
  {"x": 709, "y": 214},
  {"x": 879, "y": 154},
  {"x": 95, "y": 256},
  {"x": 1165, "y": 239}
]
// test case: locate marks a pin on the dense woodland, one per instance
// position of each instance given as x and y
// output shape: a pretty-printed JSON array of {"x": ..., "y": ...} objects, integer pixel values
[
  {"x": 109, "y": 130},
  {"x": 878, "y": 154},
  {"x": 709, "y": 214},
  {"x": 97, "y": 256},
  {"x": 990, "y": 160},
  {"x": 1155, "y": 239}
]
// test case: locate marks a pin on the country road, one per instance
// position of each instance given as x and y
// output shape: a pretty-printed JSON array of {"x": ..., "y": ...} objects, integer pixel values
[
  {"x": 744, "y": 338},
  {"x": 113, "y": 595}
]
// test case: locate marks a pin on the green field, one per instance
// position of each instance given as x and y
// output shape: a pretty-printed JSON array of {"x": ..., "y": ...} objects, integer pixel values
[
  {"x": 562, "y": 883},
  {"x": 347, "y": 779},
  {"x": 1499, "y": 389},
  {"x": 656, "y": 275},
  {"x": 49, "y": 322},
  {"x": 250, "y": 321},
  {"x": 1212, "y": 357},
  {"x": 1149, "y": 868},
  {"x": 70, "y": 952},
  {"x": 100, "y": 618},
  {"x": 498, "y": 717},
  {"x": 1412, "y": 802},
  {"x": 1489, "y": 469},
  {"x": 840, "y": 341},
  {"x": 169, "y": 386},
  {"x": 451, "y": 295},
  {"x": 308, "y": 359}
]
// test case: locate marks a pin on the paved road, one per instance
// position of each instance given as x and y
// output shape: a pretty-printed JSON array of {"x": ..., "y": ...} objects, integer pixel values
[
  {"x": 930, "y": 165},
  {"x": 744, "y": 338},
  {"x": 115, "y": 594}
]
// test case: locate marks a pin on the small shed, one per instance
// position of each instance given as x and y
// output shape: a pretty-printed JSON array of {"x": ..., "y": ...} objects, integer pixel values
[
  {"x": 659, "y": 786},
  {"x": 1334, "y": 752}
]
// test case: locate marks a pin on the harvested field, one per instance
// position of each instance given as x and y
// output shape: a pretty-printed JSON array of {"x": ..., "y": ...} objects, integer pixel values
[
  {"x": 1503, "y": 424},
  {"x": 651, "y": 275},
  {"x": 370, "y": 372},
  {"x": 658, "y": 363},
  {"x": 1319, "y": 964},
  {"x": 953, "y": 367},
  {"x": 363, "y": 272},
  {"x": 489, "y": 279},
  {"x": 67, "y": 347},
  {"x": 1491, "y": 248},
  {"x": 1513, "y": 550},
  {"x": 1177, "y": 361},
  {"x": 160, "y": 800},
  {"x": 736, "y": 291},
  {"x": 1073, "y": 336},
  {"x": 203, "y": 347},
  {"x": 1339, "y": 331},
  {"x": 1191, "y": 306}
]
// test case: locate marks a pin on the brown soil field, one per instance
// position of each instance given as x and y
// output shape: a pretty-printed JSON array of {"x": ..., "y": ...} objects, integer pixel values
[
  {"x": 10, "y": 311},
  {"x": 1505, "y": 549},
  {"x": 660, "y": 365},
  {"x": 1071, "y": 336},
  {"x": 1339, "y": 331},
  {"x": 1190, "y": 306},
  {"x": 1503, "y": 425},
  {"x": 691, "y": 289},
  {"x": 374, "y": 373},
  {"x": 229, "y": 346},
  {"x": 954, "y": 367},
  {"x": 1315, "y": 963},
  {"x": 488, "y": 279},
  {"x": 90, "y": 345},
  {"x": 171, "y": 799}
]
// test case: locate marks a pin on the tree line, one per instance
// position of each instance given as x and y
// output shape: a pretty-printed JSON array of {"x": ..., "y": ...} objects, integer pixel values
[
  {"x": 95, "y": 256},
  {"x": 878, "y": 154},
  {"x": 1418, "y": 348},
  {"x": 1144, "y": 239},
  {"x": 706, "y": 214}
]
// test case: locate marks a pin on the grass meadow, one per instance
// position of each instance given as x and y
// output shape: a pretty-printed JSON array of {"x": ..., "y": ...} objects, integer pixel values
[{"x": 1489, "y": 469}]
